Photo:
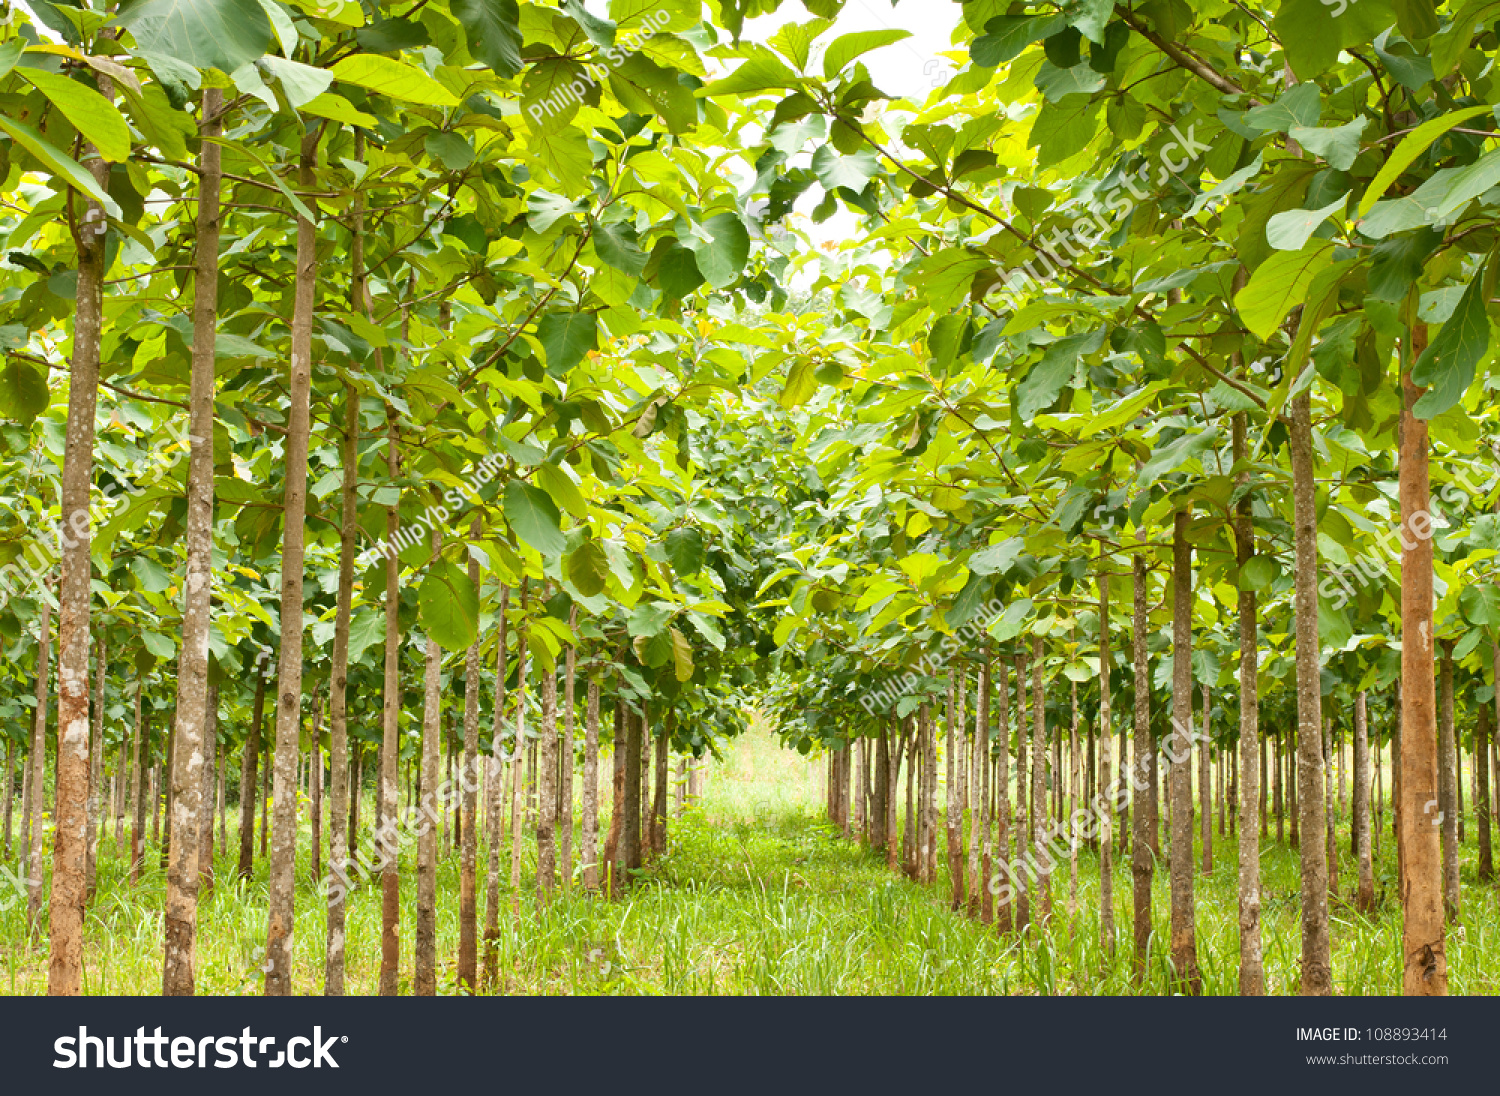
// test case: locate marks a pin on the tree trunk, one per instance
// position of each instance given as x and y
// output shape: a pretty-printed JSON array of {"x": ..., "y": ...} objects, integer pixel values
[
  {"x": 565, "y": 759},
  {"x": 908, "y": 829},
  {"x": 1424, "y": 948},
  {"x": 36, "y": 798},
  {"x": 659, "y": 795},
  {"x": 10, "y": 791},
  {"x": 546, "y": 823},
  {"x": 1042, "y": 905},
  {"x": 1205, "y": 787},
  {"x": 1184, "y": 941},
  {"x": 96, "y": 772},
  {"x": 630, "y": 833},
  {"x": 206, "y": 801},
  {"x": 1106, "y": 775},
  {"x": 495, "y": 799},
  {"x": 1004, "y": 914},
  {"x": 468, "y": 920},
  {"x": 1448, "y": 784},
  {"x": 424, "y": 980},
  {"x": 280, "y": 921},
  {"x": 1142, "y": 860},
  {"x": 954, "y": 811},
  {"x": 1482, "y": 803},
  {"x": 617, "y": 801},
  {"x": 1365, "y": 895},
  {"x": 1330, "y": 837},
  {"x": 181, "y": 919},
  {"x": 879, "y": 820},
  {"x": 1072, "y": 805},
  {"x": 315, "y": 786},
  {"x": 588, "y": 854},
  {"x": 979, "y": 814},
  {"x": 518, "y": 753},
  {"x": 1022, "y": 817},
  {"x": 1251, "y": 788},
  {"x": 138, "y": 788}
]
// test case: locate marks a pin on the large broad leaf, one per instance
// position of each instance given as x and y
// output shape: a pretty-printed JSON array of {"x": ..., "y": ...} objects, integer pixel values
[
  {"x": 387, "y": 76},
  {"x": 59, "y": 163},
  {"x": 1290, "y": 230},
  {"x": 23, "y": 391},
  {"x": 1052, "y": 374},
  {"x": 834, "y": 170},
  {"x": 221, "y": 34},
  {"x": 587, "y": 568},
  {"x": 448, "y": 605},
  {"x": 365, "y": 631},
  {"x": 493, "y": 31},
  {"x": 1413, "y": 145},
  {"x": 684, "y": 547},
  {"x": 92, "y": 114},
  {"x": 1006, "y": 36},
  {"x": 1008, "y": 624},
  {"x": 534, "y": 517},
  {"x": 563, "y": 490},
  {"x": 847, "y": 47},
  {"x": 566, "y": 337},
  {"x": 723, "y": 255},
  {"x": 1280, "y": 284},
  {"x": 1481, "y": 605},
  {"x": 1446, "y": 367},
  {"x": 682, "y": 655}
]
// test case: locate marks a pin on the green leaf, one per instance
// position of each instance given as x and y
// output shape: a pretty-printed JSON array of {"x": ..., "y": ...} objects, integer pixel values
[
  {"x": 801, "y": 383},
  {"x": 387, "y": 76},
  {"x": 1280, "y": 284},
  {"x": 534, "y": 517},
  {"x": 684, "y": 546},
  {"x": 492, "y": 29},
  {"x": 1006, "y": 36},
  {"x": 23, "y": 391},
  {"x": 338, "y": 109},
  {"x": 1298, "y": 108},
  {"x": 618, "y": 250},
  {"x": 1289, "y": 231},
  {"x": 587, "y": 568},
  {"x": 1258, "y": 572},
  {"x": 682, "y": 655},
  {"x": 92, "y": 114},
  {"x": 221, "y": 34},
  {"x": 1449, "y": 44},
  {"x": 448, "y": 606},
  {"x": 59, "y": 163},
  {"x": 564, "y": 491},
  {"x": 853, "y": 171},
  {"x": 152, "y": 576},
  {"x": 300, "y": 83},
  {"x": 1339, "y": 145},
  {"x": 365, "y": 631},
  {"x": 1481, "y": 605},
  {"x": 566, "y": 337},
  {"x": 722, "y": 257},
  {"x": 1446, "y": 367},
  {"x": 1413, "y": 145},
  {"x": 761, "y": 71},
  {"x": 158, "y": 644},
  {"x": 1008, "y": 624},
  {"x": 847, "y": 47},
  {"x": 1054, "y": 372}
]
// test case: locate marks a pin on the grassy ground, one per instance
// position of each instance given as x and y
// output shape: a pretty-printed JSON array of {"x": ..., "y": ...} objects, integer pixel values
[{"x": 758, "y": 896}]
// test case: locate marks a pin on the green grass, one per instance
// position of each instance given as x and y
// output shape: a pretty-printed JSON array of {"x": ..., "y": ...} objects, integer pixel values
[{"x": 758, "y": 895}]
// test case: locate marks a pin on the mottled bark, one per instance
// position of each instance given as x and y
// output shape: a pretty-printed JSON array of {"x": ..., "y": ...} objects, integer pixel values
[
  {"x": 468, "y": 918},
  {"x": 36, "y": 798},
  {"x": 565, "y": 759},
  {"x": 249, "y": 761},
  {"x": 1180, "y": 756},
  {"x": 588, "y": 852},
  {"x": 495, "y": 800},
  {"x": 96, "y": 771},
  {"x": 1042, "y": 902},
  {"x": 546, "y": 823},
  {"x": 1365, "y": 894},
  {"x": 280, "y": 919},
  {"x": 1424, "y": 944},
  {"x": 424, "y": 979},
  {"x": 1106, "y": 769},
  {"x": 1448, "y": 784}
]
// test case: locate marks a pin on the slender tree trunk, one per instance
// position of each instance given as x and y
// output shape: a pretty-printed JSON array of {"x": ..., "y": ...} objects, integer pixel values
[
  {"x": 518, "y": 753},
  {"x": 1482, "y": 803},
  {"x": 565, "y": 759},
  {"x": 616, "y": 802},
  {"x": 1042, "y": 905},
  {"x": 1309, "y": 788},
  {"x": 879, "y": 813},
  {"x": 659, "y": 798},
  {"x": 70, "y": 808},
  {"x": 1330, "y": 837},
  {"x": 424, "y": 980},
  {"x": 1205, "y": 787},
  {"x": 1004, "y": 914},
  {"x": 1072, "y": 805},
  {"x": 35, "y": 792},
  {"x": 1184, "y": 941},
  {"x": 892, "y": 793},
  {"x": 138, "y": 788},
  {"x": 315, "y": 785},
  {"x": 1424, "y": 947},
  {"x": 1365, "y": 895},
  {"x": 1106, "y": 766},
  {"x": 280, "y": 921},
  {"x": 495, "y": 800},
  {"x": 181, "y": 920},
  {"x": 1142, "y": 860},
  {"x": 979, "y": 819},
  {"x": 546, "y": 823},
  {"x": 10, "y": 791},
  {"x": 206, "y": 801},
  {"x": 385, "y": 839},
  {"x": 589, "y": 853},
  {"x": 954, "y": 811},
  {"x": 468, "y": 920},
  {"x": 1022, "y": 824},
  {"x": 1448, "y": 784},
  {"x": 630, "y": 833},
  {"x": 1252, "y": 750},
  {"x": 96, "y": 772}
]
